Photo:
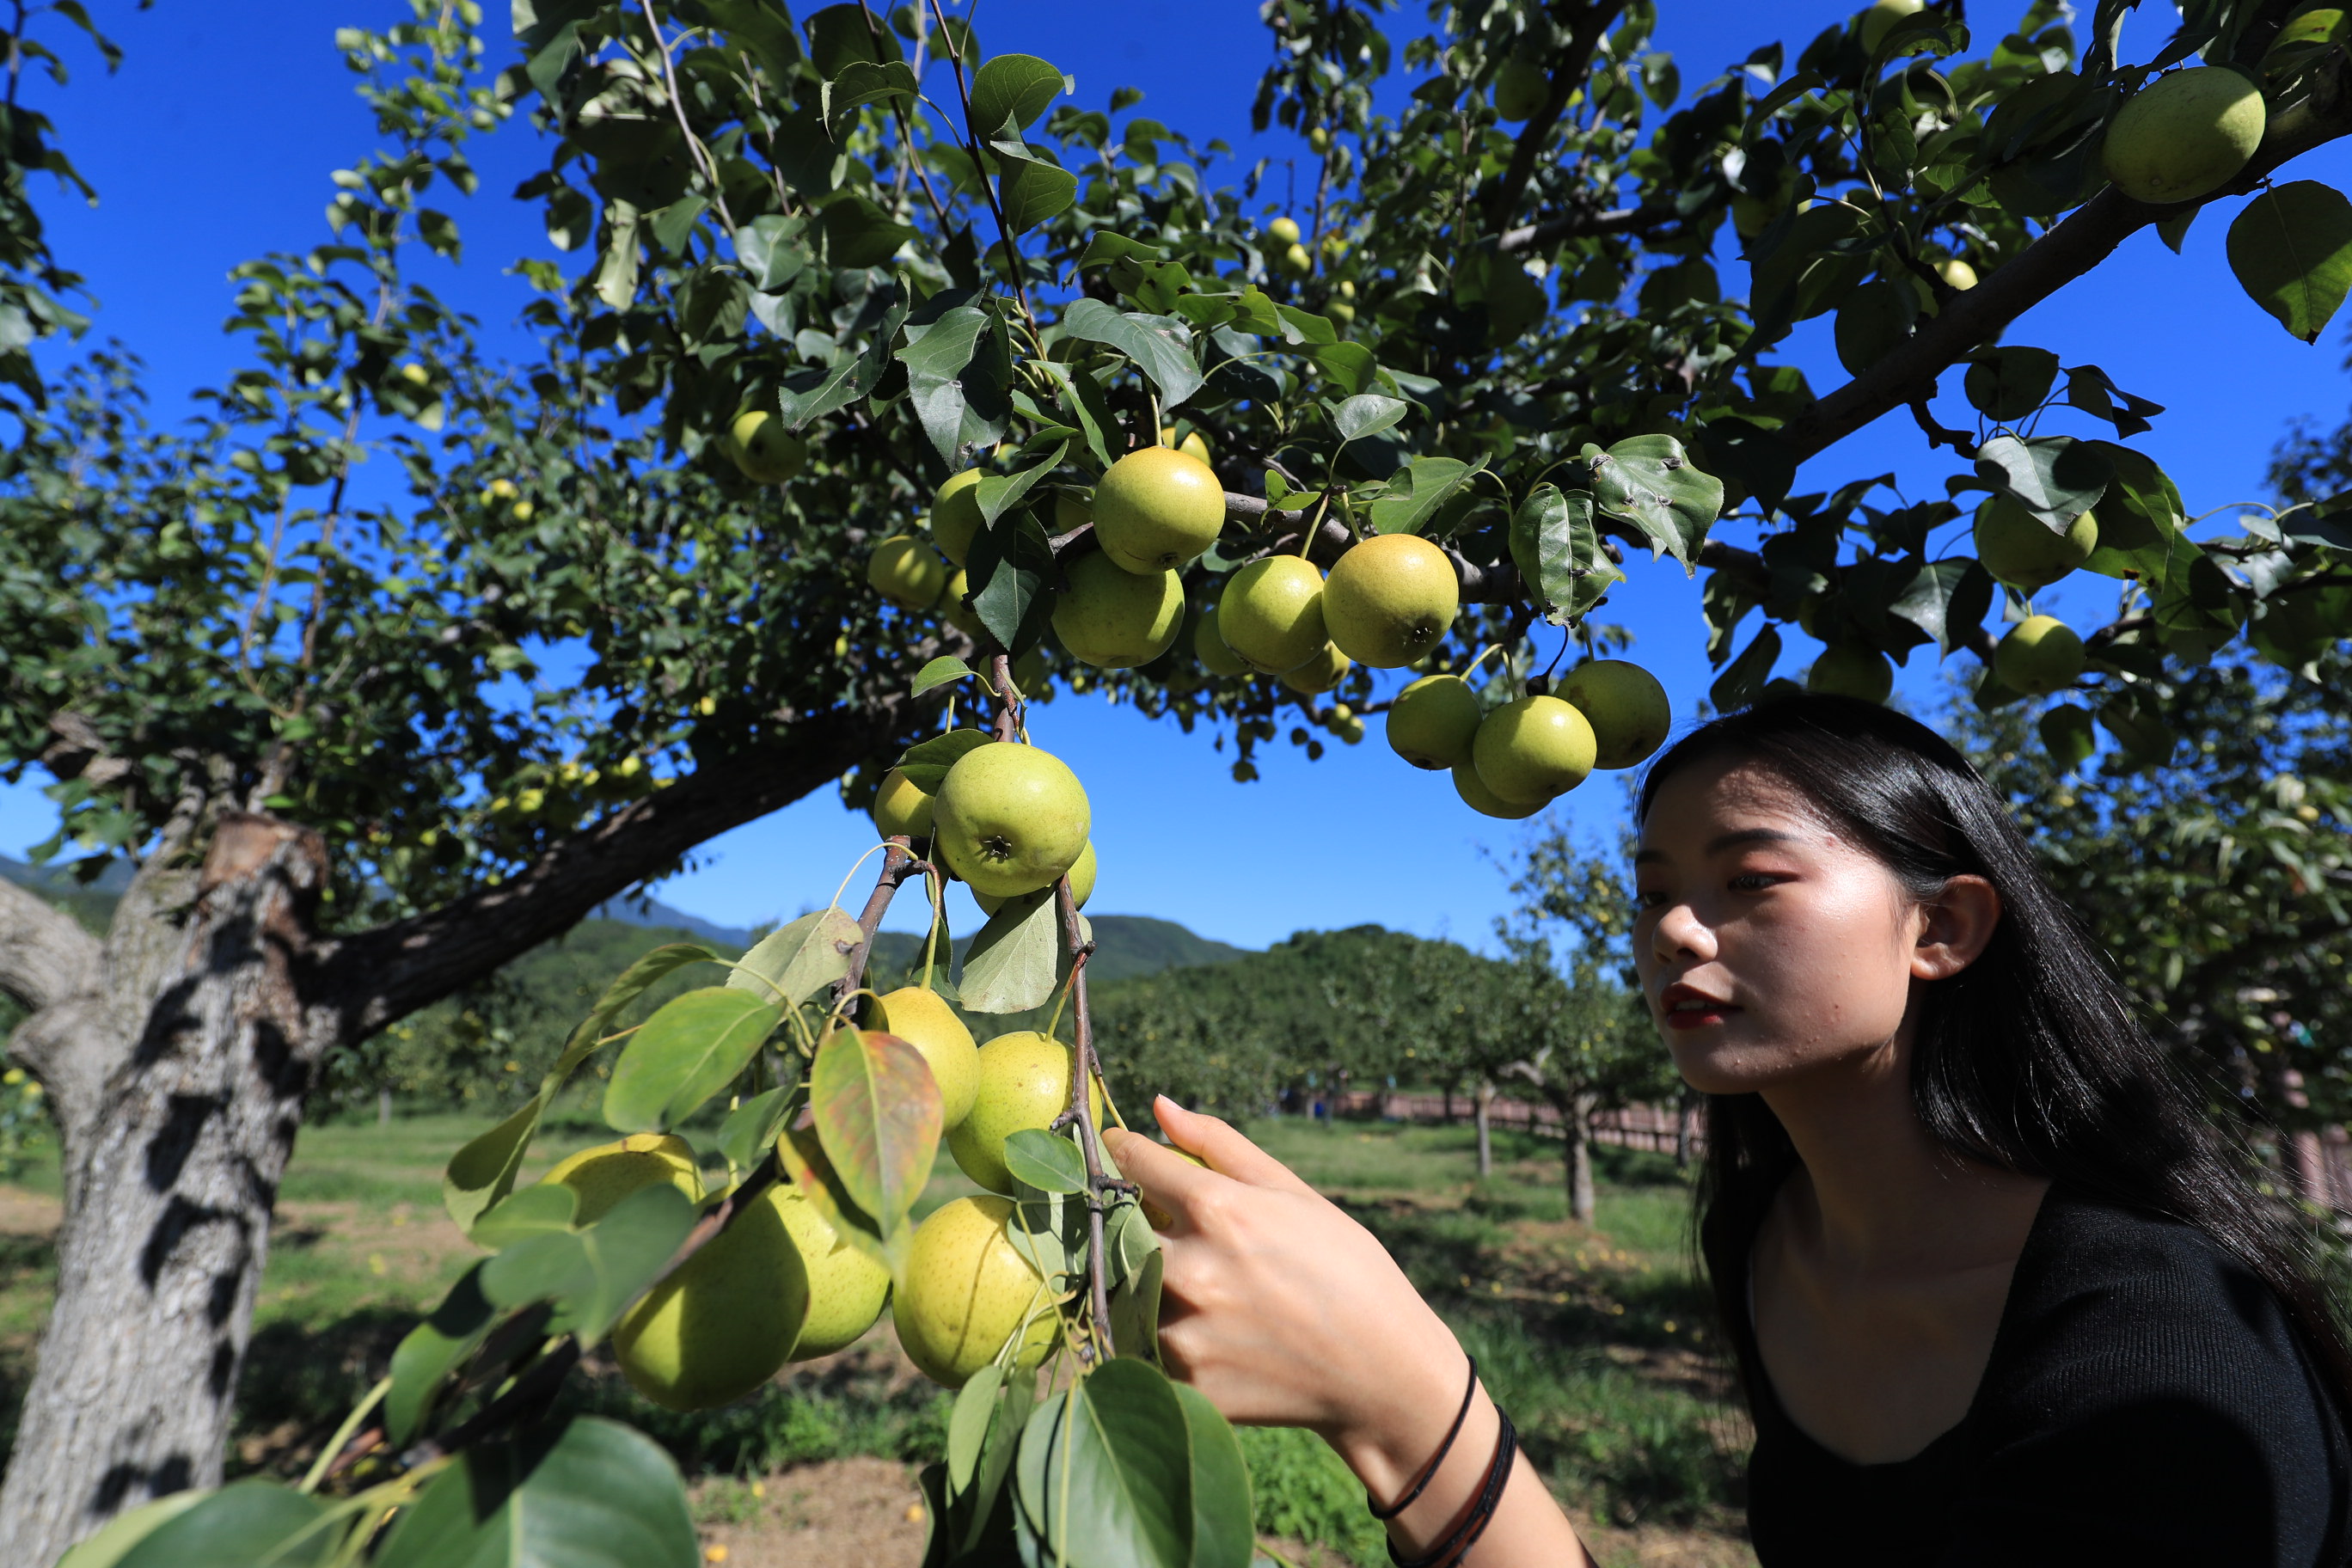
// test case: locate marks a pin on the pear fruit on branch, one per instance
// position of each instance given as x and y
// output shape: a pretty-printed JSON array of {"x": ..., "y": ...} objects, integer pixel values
[
  {"x": 1025, "y": 1082},
  {"x": 1115, "y": 618},
  {"x": 1627, "y": 708},
  {"x": 900, "y": 808},
  {"x": 1209, "y": 647},
  {"x": 921, "y": 1017},
  {"x": 2185, "y": 136},
  {"x": 1082, "y": 884},
  {"x": 1272, "y": 614},
  {"x": 1155, "y": 509},
  {"x": 1319, "y": 674},
  {"x": 2018, "y": 549},
  {"x": 967, "y": 1290},
  {"x": 1009, "y": 820},
  {"x": 725, "y": 1319},
  {"x": 2040, "y": 655},
  {"x": 847, "y": 1286},
  {"x": 1532, "y": 749},
  {"x": 1389, "y": 599},
  {"x": 907, "y": 571},
  {"x": 604, "y": 1175},
  {"x": 763, "y": 449},
  {"x": 1485, "y": 801},
  {"x": 1433, "y": 721},
  {"x": 955, "y": 519},
  {"x": 1849, "y": 670}
]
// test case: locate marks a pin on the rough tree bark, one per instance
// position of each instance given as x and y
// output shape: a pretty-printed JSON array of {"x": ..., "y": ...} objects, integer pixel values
[
  {"x": 1485, "y": 1105},
  {"x": 177, "y": 1053},
  {"x": 1576, "y": 1129}
]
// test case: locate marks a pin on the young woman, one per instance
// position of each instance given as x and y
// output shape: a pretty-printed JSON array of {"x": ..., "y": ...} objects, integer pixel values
[{"x": 2000, "y": 1294}]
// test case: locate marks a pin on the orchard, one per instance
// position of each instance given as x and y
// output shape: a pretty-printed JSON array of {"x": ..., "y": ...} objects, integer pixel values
[{"x": 892, "y": 388}]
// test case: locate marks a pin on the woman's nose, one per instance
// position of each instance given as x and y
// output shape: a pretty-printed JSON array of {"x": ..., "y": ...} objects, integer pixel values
[{"x": 1680, "y": 933}]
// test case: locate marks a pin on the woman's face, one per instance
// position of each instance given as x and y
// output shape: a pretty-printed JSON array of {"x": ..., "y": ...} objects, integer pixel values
[{"x": 1768, "y": 945}]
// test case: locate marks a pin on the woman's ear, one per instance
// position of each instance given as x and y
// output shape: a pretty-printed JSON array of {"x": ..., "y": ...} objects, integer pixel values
[{"x": 1955, "y": 928}]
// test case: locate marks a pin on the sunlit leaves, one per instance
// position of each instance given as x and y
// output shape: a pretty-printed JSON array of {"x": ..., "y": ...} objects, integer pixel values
[
  {"x": 1160, "y": 346},
  {"x": 686, "y": 1052},
  {"x": 583, "y": 1492},
  {"x": 1558, "y": 552},
  {"x": 2292, "y": 249},
  {"x": 878, "y": 1116}
]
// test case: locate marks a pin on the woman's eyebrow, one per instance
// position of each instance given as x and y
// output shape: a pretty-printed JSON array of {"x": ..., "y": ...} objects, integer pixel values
[{"x": 1722, "y": 842}]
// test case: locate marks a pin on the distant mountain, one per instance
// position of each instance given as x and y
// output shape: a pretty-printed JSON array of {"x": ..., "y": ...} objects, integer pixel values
[
  {"x": 1125, "y": 946},
  {"x": 92, "y": 904},
  {"x": 637, "y": 909}
]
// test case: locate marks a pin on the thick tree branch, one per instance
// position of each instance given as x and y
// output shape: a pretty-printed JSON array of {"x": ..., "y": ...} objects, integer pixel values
[
  {"x": 44, "y": 954},
  {"x": 2062, "y": 254},
  {"x": 1568, "y": 70},
  {"x": 1648, "y": 221},
  {"x": 377, "y": 977}
]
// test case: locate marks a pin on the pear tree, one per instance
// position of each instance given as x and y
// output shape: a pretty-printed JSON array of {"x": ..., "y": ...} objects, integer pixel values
[{"x": 872, "y": 347}]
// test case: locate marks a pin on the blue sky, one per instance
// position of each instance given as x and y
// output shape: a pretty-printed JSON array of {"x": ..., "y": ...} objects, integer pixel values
[{"x": 215, "y": 141}]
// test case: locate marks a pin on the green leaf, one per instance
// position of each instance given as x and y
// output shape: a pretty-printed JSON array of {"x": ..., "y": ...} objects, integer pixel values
[
  {"x": 124, "y": 1530},
  {"x": 1135, "y": 1309},
  {"x": 483, "y": 1171},
  {"x": 686, "y": 1052},
  {"x": 802, "y": 1154},
  {"x": 593, "y": 1275},
  {"x": 2066, "y": 733},
  {"x": 959, "y": 379},
  {"x": 1305, "y": 327},
  {"x": 811, "y": 395},
  {"x": 1011, "y": 571},
  {"x": 2292, "y": 249},
  {"x": 1105, "y": 1470},
  {"x": 1225, "y": 1519},
  {"x": 1017, "y": 959},
  {"x": 1048, "y": 1162},
  {"x": 2008, "y": 383},
  {"x": 877, "y": 1117},
  {"x": 984, "y": 1439},
  {"x": 1033, "y": 191},
  {"x": 1160, "y": 346},
  {"x": 1368, "y": 414},
  {"x": 925, "y": 763},
  {"x": 581, "y": 1493},
  {"x": 2056, "y": 478},
  {"x": 1558, "y": 552},
  {"x": 1008, "y": 94},
  {"x": 749, "y": 1130},
  {"x": 1417, "y": 490},
  {"x": 796, "y": 960},
  {"x": 1082, "y": 399},
  {"x": 1350, "y": 366},
  {"x": 997, "y": 494},
  {"x": 252, "y": 1524},
  {"x": 430, "y": 1352},
  {"x": 1736, "y": 687},
  {"x": 541, "y": 1207},
  {"x": 1651, "y": 482},
  {"x": 968, "y": 1424},
  {"x": 859, "y": 84},
  {"x": 632, "y": 983},
  {"x": 1944, "y": 600},
  {"x": 770, "y": 251},
  {"x": 858, "y": 233},
  {"x": 941, "y": 671}
]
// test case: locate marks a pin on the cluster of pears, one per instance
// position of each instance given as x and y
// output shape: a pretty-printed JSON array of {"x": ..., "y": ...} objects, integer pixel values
[{"x": 1514, "y": 761}]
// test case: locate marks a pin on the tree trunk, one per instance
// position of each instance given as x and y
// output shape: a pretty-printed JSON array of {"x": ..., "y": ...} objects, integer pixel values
[
  {"x": 1486, "y": 1134},
  {"x": 1576, "y": 1131},
  {"x": 1686, "y": 1111},
  {"x": 1446, "y": 1090},
  {"x": 171, "y": 1172},
  {"x": 383, "y": 1108}
]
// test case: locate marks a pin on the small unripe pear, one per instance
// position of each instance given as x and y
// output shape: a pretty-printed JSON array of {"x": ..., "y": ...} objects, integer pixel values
[
  {"x": 923, "y": 1018},
  {"x": 955, "y": 518},
  {"x": 1485, "y": 801},
  {"x": 1009, "y": 820},
  {"x": 1319, "y": 674},
  {"x": 1959, "y": 274},
  {"x": 1532, "y": 749},
  {"x": 2016, "y": 547},
  {"x": 1209, "y": 648},
  {"x": 1849, "y": 670},
  {"x": 900, "y": 808},
  {"x": 847, "y": 1287},
  {"x": 1025, "y": 1082},
  {"x": 1432, "y": 722},
  {"x": 2185, "y": 136},
  {"x": 905, "y": 571},
  {"x": 606, "y": 1174},
  {"x": 967, "y": 1290},
  {"x": 1283, "y": 231},
  {"x": 766, "y": 452},
  {"x": 1880, "y": 19},
  {"x": 725, "y": 1319},
  {"x": 1626, "y": 707},
  {"x": 2040, "y": 655}
]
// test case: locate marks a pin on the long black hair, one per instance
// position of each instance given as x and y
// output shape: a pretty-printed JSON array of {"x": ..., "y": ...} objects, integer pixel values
[{"x": 2032, "y": 1058}]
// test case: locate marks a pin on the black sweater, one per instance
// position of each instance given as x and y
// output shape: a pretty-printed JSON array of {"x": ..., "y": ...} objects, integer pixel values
[{"x": 2148, "y": 1402}]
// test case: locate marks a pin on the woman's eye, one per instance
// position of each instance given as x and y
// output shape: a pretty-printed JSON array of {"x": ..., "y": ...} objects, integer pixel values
[
  {"x": 1752, "y": 882},
  {"x": 1649, "y": 897}
]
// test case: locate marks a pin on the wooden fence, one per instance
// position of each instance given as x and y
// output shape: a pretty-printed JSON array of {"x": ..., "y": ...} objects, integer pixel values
[{"x": 1654, "y": 1127}]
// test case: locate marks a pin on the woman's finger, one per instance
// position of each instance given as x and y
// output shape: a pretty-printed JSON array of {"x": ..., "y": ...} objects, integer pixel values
[
  {"x": 1169, "y": 1182},
  {"x": 1228, "y": 1152}
]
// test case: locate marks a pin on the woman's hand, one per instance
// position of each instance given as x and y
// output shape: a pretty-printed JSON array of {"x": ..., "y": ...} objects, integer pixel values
[{"x": 1286, "y": 1312}]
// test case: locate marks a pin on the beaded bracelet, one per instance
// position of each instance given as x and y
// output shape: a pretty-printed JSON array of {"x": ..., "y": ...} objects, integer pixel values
[
  {"x": 1430, "y": 1471},
  {"x": 1464, "y": 1535}
]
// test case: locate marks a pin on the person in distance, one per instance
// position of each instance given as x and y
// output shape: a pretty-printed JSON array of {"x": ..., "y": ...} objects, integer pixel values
[{"x": 2000, "y": 1294}]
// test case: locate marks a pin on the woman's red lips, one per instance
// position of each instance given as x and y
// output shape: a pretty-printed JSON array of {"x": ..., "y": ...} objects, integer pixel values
[{"x": 1688, "y": 1008}]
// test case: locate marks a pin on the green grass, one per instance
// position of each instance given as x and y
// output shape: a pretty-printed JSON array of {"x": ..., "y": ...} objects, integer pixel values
[{"x": 1590, "y": 1337}]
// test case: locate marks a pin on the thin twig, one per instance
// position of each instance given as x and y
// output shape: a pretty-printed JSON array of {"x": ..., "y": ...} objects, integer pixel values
[
  {"x": 988, "y": 187},
  {"x": 899, "y": 863},
  {"x": 907, "y": 159},
  {"x": 1082, "y": 1078},
  {"x": 678, "y": 106}
]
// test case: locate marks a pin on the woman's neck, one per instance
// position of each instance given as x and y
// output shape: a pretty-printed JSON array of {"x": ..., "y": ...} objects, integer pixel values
[{"x": 1875, "y": 1191}]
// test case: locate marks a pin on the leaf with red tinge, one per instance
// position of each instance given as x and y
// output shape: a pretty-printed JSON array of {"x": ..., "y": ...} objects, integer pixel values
[{"x": 878, "y": 1116}]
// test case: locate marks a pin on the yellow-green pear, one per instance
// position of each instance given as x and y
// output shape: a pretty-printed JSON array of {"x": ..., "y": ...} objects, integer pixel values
[
  {"x": 901, "y": 809},
  {"x": 1157, "y": 509},
  {"x": 1389, "y": 599},
  {"x": 953, "y": 610},
  {"x": 1116, "y": 619},
  {"x": 1209, "y": 648},
  {"x": 765, "y": 452},
  {"x": 2040, "y": 655},
  {"x": 1283, "y": 231},
  {"x": 1296, "y": 261},
  {"x": 722, "y": 1323},
  {"x": 847, "y": 1287},
  {"x": 1319, "y": 674},
  {"x": 921, "y": 1017},
  {"x": 2185, "y": 134},
  {"x": 1272, "y": 614},
  {"x": 1024, "y": 1081},
  {"x": 907, "y": 571},
  {"x": 1625, "y": 706},
  {"x": 967, "y": 1290},
  {"x": 1520, "y": 88},
  {"x": 1532, "y": 749},
  {"x": 1082, "y": 884},
  {"x": 955, "y": 515},
  {"x": 1849, "y": 670},
  {"x": 1432, "y": 722},
  {"x": 1957, "y": 274},
  {"x": 606, "y": 1174},
  {"x": 2017, "y": 547},
  {"x": 1009, "y": 820},
  {"x": 1880, "y": 19},
  {"x": 1194, "y": 445},
  {"x": 1485, "y": 801}
]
